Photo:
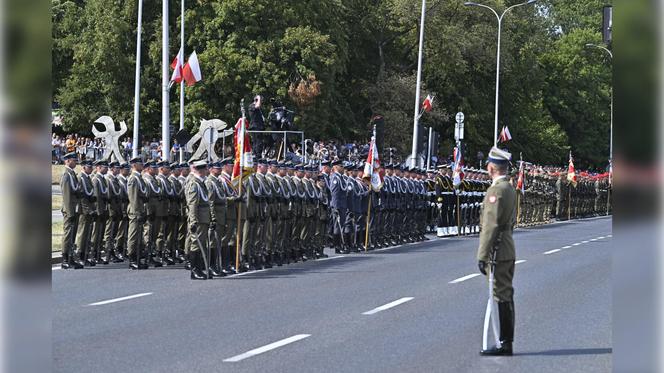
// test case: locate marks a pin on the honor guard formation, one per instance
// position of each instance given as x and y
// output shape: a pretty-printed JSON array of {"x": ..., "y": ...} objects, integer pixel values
[{"x": 157, "y": 213}]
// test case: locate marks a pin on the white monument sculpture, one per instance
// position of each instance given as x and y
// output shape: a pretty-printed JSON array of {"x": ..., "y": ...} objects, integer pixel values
[
  {"x": 208, "y": 133},
  {"x": 110, "y": 137}
]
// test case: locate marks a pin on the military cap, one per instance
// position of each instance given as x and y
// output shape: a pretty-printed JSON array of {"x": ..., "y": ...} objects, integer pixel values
[
  {"x": 69, "y": 155},
  {"x": 101, "y": 163},
  {"x": 135, "y": 160},
  {"x": 261, "y": 162},
  {"x": 125, "y": 166},
  {"x": 114, "y": 164},
  {"x": 227, "y": 160},
  {"x": 325, "y": 163},
  {"x": 272, "y": 162},
  {"x": 336, "y": 162},
  {"x": 163, "y": 164},
  {"x": 184, "y": 165},
  {"x": 86, "y": 162},
  {"x": 175, "y": 165},
  {"x": 299, "y": 167},
  {"x": 289, "y": 165},
  {"x": 499, "y": 156},
  {"x": 216, "y": 165},
  {"x": 199, "y": 164}
]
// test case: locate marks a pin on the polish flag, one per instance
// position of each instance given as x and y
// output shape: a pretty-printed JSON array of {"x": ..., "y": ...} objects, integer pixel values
[
  {"x": 372, "y": 166},
  {"x": 520, "y": 185},
  {"x": 505, "y": 135},
  {"x": 176, "y": 65},
  {"x": 427, "y": 105},
  {"x": 192, "y": 70},
  {"x": 571, "y": 174}
]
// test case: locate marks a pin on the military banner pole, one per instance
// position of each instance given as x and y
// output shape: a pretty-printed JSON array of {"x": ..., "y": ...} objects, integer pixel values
[
  {"x": 241, "y": 146},
  {"x": 366, "y": 238},
  {"x": 569, "y": 202},
  {"x": 181, "y": 57},
  {"x": 458, "y": 215},
  {"x": 165, "y": 65},
  {"x": 518, "y": 205},
  {"x": 372, "y": 149},
  {"x": 137, "y": 82}
]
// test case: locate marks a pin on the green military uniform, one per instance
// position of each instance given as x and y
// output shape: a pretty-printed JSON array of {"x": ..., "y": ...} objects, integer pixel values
[
  {"x": 155, "y": 213},
  {"x": 165, "y": 210},
  {"x": 101, "y": 192},
  {"x": 229, "y": 236},
  {"x": 121, "y": 235},
  {"x": 496, "y": 247},
  {"x": 88, "y": 211},
  {"x": 275, "y": 205},
  {"x": 199, "y": 218},
  {"x": 115, "y": 193},
  {"x": 70, "y": 187},
  {"x": 137, "y": 192},
  {"x": 219, "y": 216},
  {"x": 174, "y": 216}
]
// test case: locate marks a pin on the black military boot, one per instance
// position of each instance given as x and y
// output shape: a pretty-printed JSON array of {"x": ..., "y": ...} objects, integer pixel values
[
  {"x": 187, "y": 261},
  {"x": 197, "y": 271},
  {"x": 155, "y": 261},
  {"x": 215, "y": 268},
  {"x": 267, "y": 259},
  {"x": 118, "y": 255},
  {"x": 506, "y": 316}
]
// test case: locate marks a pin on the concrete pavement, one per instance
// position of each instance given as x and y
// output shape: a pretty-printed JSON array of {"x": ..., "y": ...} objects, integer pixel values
[{"x": 415, "y": 308}]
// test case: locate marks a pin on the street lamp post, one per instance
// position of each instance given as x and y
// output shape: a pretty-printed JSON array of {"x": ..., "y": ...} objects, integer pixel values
[
  {"x": 589, "y": 45},
  {"x": 417, "y": 86},
  {"x": 500, "y": 22}
]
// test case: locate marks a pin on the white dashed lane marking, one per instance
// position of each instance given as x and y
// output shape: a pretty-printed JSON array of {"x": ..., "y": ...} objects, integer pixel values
[
  {"x": 266, "y": 348},
  {"x": 567, "y": 247},
  {"x": 551, "y": 251},
  {"x": 520, "y": 261},
  {"x": 388, "y": 306},
  {"x": 114, "y": 300},
  {"x": 464, "y": 278}
]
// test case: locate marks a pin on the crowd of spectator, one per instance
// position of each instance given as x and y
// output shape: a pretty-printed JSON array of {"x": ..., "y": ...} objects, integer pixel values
[{"x": 93, "y": 149}]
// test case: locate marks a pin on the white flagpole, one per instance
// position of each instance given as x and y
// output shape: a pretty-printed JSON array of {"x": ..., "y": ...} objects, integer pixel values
[
  {"x": 137, "y": 82},
  {"x": 165, "y": 121},
  {"x": 417, "y": 88},
  {"x": 181, "y": 57}
]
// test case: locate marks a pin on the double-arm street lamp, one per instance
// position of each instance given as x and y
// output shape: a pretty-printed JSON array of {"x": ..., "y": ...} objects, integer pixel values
[{"x": 500, "y": 20}]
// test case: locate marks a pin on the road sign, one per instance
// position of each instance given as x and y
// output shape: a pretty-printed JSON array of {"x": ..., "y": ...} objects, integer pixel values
[{"x": 459, "y": 117}]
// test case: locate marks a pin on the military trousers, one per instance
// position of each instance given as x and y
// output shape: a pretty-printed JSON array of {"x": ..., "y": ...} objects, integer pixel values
[
  {"x": 98, "y": 228},
  {"x": 121, "y": 234},
  {"x": 135, "y": 236},
  {"x": 199, "y": 239},
  {"x": 84, "y": 233},
  {"x": 69, "y": 222},
  {"x": 161, "y": 232},
  {"x": 110, "y": 232},
  {"x": 502, "y": 283}
]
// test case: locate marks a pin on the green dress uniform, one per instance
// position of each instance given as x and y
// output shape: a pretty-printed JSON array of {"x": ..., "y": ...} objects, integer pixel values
[
  {"x": 101, "y": 191},
  {"x": 199, "y": 218},
  {"x": 136, "y": 212},
  {"x": 115, "y": 193},
  {"x": 174, "y": 218},
  {"x": 218, "y": 212},
  {"x": 164, "y": 211},
  {"x": 70, "y": 187},
  {"x": 155, "y": 216},
  {"x": 229, "y": 237},
  {"x": 496, "y": 248},
  {"x": 123, "y": 226},
  {"x": 272, "y": 242},
  {"x": 88, "y": 212}
]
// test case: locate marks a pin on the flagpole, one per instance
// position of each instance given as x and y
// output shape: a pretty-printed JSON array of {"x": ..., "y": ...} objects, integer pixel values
[
  {"x": 137, "y": 82},
  {"x": 165, "y": 121},
  {"x": 241, "y": 146},
  {"x": 181, "y": 57},
  {"x": 417, "y": 86},
  {"x": 372, "y": 150},
  {"x": 569, "y": 202}
]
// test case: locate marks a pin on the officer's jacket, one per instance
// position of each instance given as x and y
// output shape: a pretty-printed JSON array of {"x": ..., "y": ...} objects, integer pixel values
[
  {"x": 101, "y": 194},
  {"x": 338, "y": 190},
  {"x": 124, "y": 198},
  {"x": 497, "y": 220},
  {"x": 266, "y": 196},
  {"x": 137, "y": 192},
  {"x": 198, "y": 205},
  {"x": 167, "y": 196},
  {"x": 362, "y": 191},
  {"x": 153, "y": 205},
  {"x": 311, "y": 197},
  {"x": 231, "y": 195},
  {"x": 216, "y": 199},
  {"x": 116, "y": 195},
  {"x": 70, "y": 187},
  {"x": 88, "y": 198},
  {"x": 323, "y": 203},
  {"x": 176, "y": 202},
  {"x": 252, "y": 192},
  {"x": 278, "y": 204}
]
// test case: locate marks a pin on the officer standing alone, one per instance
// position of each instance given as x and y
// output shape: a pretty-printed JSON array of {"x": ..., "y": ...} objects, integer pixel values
[{"x": 496, "y": 251}]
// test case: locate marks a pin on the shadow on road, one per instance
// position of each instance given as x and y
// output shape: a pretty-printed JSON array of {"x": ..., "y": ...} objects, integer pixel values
[{"x": 569, "y": 351}]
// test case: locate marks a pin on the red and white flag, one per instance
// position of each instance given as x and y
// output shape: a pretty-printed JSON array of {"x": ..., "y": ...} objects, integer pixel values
[
  {"x": 520, "y": 184},
  {"x": 176, "y": 65},
  {"x": 372, "y": 166},
  {"x": 427, "y": 105},
  {"x": 571, "y": 174},
  {"x": 457, "y": 174},
  {"x": 244, "y": 161},
  {"x": 505, "y": 135},
  {"x": 192, "y": 70}
]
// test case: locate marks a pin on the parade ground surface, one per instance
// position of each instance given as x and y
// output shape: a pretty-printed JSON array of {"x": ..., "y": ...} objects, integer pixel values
[{"x": 411, "y": 308}]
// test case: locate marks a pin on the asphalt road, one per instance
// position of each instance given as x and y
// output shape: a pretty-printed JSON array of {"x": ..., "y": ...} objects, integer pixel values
[{"x": 412, "y": 308}]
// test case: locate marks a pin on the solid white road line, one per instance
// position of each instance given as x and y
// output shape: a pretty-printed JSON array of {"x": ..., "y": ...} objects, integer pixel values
[
  {"x": 551, "y": 251},
  {"x": 520, "y": 261},
  {"x": 567, "y": 247},
  {"x": 119, "y": 299},
  {"x": 266, "y": 348},
  {"x": 464, "y": 278},
  {"x": 388, "y": 306},
  {"x": 330, "y": 258}
]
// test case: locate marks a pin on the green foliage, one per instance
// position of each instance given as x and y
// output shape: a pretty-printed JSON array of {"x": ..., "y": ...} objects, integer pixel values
[{"x": 338, "y": 62}]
